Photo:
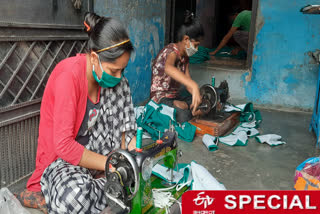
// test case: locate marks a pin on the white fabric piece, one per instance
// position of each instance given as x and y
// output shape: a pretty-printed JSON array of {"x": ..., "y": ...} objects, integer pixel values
[
  {"x": 251, "y": 132},
  {"x": 193, "y": 174},
  {"x": 153, "y": 104},
  {"x": 187, "y": 175},
  {"x": 146, "y": 135},
  {"x": 9, "y": 204},
  {"x": 138, "y": 111},
  {"x": 229, "y": 108},
  {"x": 210, "y": 142},
  {"x": 166, "y": 110},
  {"x": 203, "y": 180},
  {"x": 271, "y": 139},
  {"x": 165, "y": 174},
  {"x": 239, "y": 139},
  {"x": 241, "y": 106},
  {"x": 275, "y": 143},
  {"x": 252, "y": 124}
]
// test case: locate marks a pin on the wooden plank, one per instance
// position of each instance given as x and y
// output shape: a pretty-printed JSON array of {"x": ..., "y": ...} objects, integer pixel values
[{"x": 215, "y": 128}]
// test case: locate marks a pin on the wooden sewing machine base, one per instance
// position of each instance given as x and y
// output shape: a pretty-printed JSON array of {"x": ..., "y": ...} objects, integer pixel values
[{"x": 217, "y": 126}]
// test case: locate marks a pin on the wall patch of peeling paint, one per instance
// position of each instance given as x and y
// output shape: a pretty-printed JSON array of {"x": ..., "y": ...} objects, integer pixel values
[
  {"x": 281, "y": 72},
  {"x": 145, "y": 21}
]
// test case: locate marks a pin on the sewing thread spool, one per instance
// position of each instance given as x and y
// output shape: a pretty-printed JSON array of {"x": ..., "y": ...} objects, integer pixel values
[
  {"x": 139, "y": 139},
  {"x": 159, "y": 141},
  {"x": 213, "y": 81}
]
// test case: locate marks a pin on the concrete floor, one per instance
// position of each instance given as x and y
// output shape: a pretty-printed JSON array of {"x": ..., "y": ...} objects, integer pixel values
[{"x": 257, "y": 166}]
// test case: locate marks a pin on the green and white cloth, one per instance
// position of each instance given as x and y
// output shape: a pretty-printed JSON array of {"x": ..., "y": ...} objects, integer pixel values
[
  {"x": 192, "y": 174},
  {"x": 252, "y": 124},
  {"x": 248, "y": 113},
  {"x": 156, "y": 118},
  {"x": 251, "y": 132},
  {"x": 271, "y": 139},
  {"x": 250, "y": 120},
  {"x": 165, "y": 174},
  {"x": 239, "y": 139},
  {"x": 210, "y": 142}
]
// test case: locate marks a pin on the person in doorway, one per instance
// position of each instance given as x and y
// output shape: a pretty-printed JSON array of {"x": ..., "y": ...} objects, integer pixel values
[
  {"x": 170, "y": 69},
  {"x": 86, "y": 113},
  {"x": 240, "y": 31}
]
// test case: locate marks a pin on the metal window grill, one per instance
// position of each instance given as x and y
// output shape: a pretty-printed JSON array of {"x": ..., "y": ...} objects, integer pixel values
[
  {"x": 18, "y": 149},
  {"x": 26, "y": 66},
  {"x": 29, "y": 51},
  {"x": 24, "y": 70}
]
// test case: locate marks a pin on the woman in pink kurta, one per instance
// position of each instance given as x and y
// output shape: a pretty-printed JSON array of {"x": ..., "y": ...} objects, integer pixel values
[{"x": 86, "y": 112}]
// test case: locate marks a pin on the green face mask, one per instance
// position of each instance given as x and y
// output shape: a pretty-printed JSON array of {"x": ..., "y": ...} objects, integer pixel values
[{"x": 106, "y": 80}]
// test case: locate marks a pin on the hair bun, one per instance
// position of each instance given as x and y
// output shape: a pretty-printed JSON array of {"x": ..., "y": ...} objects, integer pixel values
[
  {"x": 188, "y": 17},
  {"x": 90, "y": 21}
]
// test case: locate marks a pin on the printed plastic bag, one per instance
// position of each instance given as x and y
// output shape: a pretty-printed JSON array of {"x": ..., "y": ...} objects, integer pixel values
[
  {"x": 9, "y": 204},
  {"x": 307, "y": 176}
]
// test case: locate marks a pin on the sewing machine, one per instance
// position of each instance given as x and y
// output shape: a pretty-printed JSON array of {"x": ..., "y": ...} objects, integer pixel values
[
  {"x": 214, "y": 121},
  {"x": 129, "y": 183},
  {"x": 213, "y": 99}
]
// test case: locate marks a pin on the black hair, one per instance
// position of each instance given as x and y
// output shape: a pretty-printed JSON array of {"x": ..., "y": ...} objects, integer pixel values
[
  {"x": 234, "y": 11},
  {"x": 104, "y": 32},
  {"x": 191, "y": 27}
]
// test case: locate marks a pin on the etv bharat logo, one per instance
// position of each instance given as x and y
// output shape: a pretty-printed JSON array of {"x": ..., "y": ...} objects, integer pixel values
[{"x": 205, "y": 200}]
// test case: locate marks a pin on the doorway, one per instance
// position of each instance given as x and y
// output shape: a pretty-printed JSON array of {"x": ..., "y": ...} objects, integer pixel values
[{"x": 216, "y": 18}]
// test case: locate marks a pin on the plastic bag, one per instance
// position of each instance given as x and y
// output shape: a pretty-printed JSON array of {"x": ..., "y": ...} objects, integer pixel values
[
  {"x": 9, "y": 204},
  {"x": 307, "y": 175}
]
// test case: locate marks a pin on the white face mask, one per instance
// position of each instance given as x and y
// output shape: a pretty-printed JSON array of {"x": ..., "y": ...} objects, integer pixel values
[{"x": 192, "y": 50}]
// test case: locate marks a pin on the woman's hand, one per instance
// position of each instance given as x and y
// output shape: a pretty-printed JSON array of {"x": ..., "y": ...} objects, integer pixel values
[
  {"x": 184, "y": 79},
  {"x": 213, "y": 53},
  {"x": 196, "y": 98}
]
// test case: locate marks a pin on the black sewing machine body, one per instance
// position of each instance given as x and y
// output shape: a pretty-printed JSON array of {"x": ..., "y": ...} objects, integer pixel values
[
  {"x": 213, "y": 101},
  {"x": 129, "y": 188}
]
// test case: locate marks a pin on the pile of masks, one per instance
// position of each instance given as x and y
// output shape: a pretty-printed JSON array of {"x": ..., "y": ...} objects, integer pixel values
[{"x": 250, "y": 120}]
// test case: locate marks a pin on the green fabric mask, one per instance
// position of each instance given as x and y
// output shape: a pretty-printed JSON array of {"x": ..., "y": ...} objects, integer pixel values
[{"x": 106, "y": 80}]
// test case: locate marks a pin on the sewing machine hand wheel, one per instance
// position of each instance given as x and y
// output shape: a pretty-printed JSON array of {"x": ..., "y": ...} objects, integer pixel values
[
  {"x": 124, "y": 165},
  {"x": 209, "y": 98}
]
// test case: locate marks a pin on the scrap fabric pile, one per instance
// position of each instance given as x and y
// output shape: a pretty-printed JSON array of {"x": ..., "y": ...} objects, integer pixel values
[{"x": 250, "y": 120}]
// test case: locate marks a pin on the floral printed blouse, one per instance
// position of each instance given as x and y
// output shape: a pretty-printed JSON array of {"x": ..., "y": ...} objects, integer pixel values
[{"x": 162, "y": 85}]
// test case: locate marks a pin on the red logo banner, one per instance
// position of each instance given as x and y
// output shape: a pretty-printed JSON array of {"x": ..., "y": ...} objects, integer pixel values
[{"x": 251, "y": 202}]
